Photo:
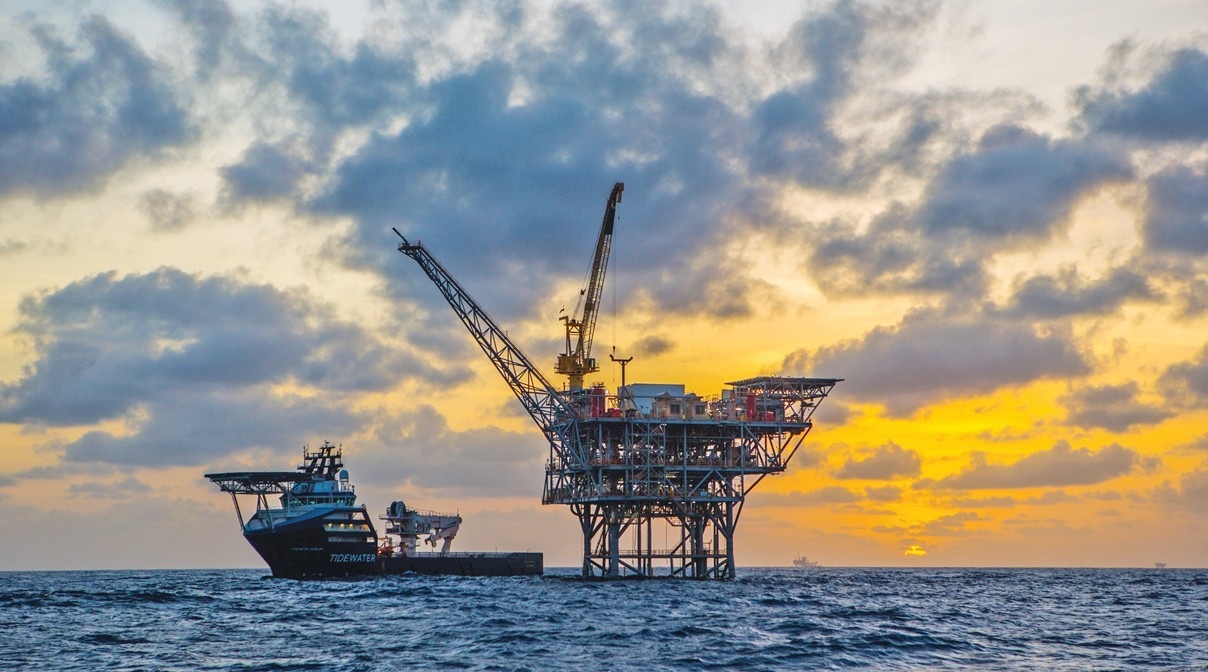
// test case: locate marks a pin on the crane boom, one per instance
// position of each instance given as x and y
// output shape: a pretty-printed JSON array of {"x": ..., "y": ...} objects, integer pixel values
[
  {"x": 544, "y": 404},
  {"x": 577, "y": 362}
]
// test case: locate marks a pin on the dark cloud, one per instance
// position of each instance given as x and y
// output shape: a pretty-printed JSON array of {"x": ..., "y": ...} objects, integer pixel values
[
  {"x": 1191, "y": 493},
  {"x": 931, "y": 356},
  {"x": 1048, "y": 498},
  {"x": 1066, "y": 294},
  {"x": 8, "y": 247},
  {"x": 954, "y": 524},
  {"x": 1015, "y": 188},
  {"x": 184, "y": 429},
  {"x": 1060, "y": 465},
  {"x": 213, "y": 29},
  {"x": 101, "y": 103},
  {"x": 191, "y": 364},
  {"x": 1185, "y": 384},
  {"x": 794, "y": 128},
  {"x": 1017, "y": 184},
  {"x": 265, "y": 172},
  {"x": 515, "y": 193},
  {"x": 1192, "y": 299},
  {"x": 831, "y": 494},
  {"x": 1111, "y": 407},
  {"x": 1199, "y": 444},
  {"x": 891, "y": 257},
  {"x": 984, "y": 502},
  {"x": 1051, "y": 497},
  {"x": 883, "y": 463},
  {"x": 339, "y": 92},
  {"x": 126, "y": 488},
  {"x": 652, "y": 346},
  {"x": 419, "y": 449},
  {"x": 833, "y": 413},
  {"x": 1176, "y": 210},
  {"x": 502, "y": 165},
  {"x": 1172, "y": 106},
  {"x": 888, "y": 493},
  {"x": 168, "y": 211}
]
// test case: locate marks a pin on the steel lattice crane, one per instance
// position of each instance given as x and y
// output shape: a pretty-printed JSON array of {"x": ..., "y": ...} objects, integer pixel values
[
  {"x": 624, "y": 463},
  {"x": 577, "y": 361}
]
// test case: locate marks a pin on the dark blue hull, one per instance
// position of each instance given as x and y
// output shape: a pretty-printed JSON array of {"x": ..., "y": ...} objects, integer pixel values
[
  {"x": 314, "y": 548},
  {"x": 309, "y": 549},
  {"x": 467, "y": 564}
]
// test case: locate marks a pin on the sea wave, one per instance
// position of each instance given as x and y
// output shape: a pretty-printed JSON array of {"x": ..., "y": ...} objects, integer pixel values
[{"x": 768, "y": 619}]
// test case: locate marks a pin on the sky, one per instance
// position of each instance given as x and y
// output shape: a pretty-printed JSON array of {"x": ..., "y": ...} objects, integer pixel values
[{"x": 989, "y": 218}]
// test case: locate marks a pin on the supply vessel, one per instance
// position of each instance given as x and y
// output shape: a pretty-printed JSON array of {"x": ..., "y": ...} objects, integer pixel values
[{"x": 318, "y": 530}]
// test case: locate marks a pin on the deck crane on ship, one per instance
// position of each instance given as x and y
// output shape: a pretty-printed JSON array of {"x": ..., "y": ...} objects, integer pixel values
[{"x": 651, "y": 453}]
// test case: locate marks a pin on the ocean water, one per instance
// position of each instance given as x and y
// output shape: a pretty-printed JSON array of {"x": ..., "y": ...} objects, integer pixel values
[{"x": 767, "y": 619}]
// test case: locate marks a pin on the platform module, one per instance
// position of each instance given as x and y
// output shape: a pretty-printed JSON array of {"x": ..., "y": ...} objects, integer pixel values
[{"x": 647, "y": 455}]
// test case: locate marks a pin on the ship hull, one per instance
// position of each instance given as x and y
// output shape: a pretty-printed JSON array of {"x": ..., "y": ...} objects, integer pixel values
[
  {"x": 466, "y": 564},
  {"x": 305, "y": 550}
]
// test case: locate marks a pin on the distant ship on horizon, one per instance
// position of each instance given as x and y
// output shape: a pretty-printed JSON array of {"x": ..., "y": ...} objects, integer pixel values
[
  {"x": 804, "y": 562},
  {"x": 1159, "y": 565}
]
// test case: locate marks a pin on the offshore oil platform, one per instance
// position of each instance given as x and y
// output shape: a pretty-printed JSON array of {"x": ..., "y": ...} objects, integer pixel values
[{"x": 649, "y": 454}]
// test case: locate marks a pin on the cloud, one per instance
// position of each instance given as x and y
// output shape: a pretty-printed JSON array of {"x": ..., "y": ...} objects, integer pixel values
[
  {"x": 265, "y": 172},
  {"x": 419, "y": 449},
  {"x": 511, "y": 143},
  {"x": 794, "y": 128},
  {"x": 931, "y": 356},
  {"x": 890, "y": 257},
  {"x": 888, "y": 493},
  {"x": 1185, "y": 384},
  {"x": 1016, "y": 184},
  {"x": 337, "y": 87},
  {"x": 1066, "y": 294},
  {"x": 168, "y": 211},
  {"x": 652, "y": 346},
  {"x": 1198, "y": 444},
  {"x": 1176, "y": 211},
  {"x": 193, "y": 366},
  {"x": 831, "y": 494},
  {"x": 1191, "y": 493},
  {"x": 1192, "y": 301},
  {"x": 1058, "y": 466},
  {"x": 951, "y": 525},
  {"x": 1111, "y": 407},
  {"x": 212, "y": 29},
  {"x": 108, "y": 343},
  {"x": 187, "y": 429},
  {"x": 883, "y": 463},
  {"x": 1170, "y": 107},
  {"x": 126, "y": 488},
  {"x": 1048, "y": 498},
  {"x": 1015, "y": 188},
  {"x": 101, "y": 103}
]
